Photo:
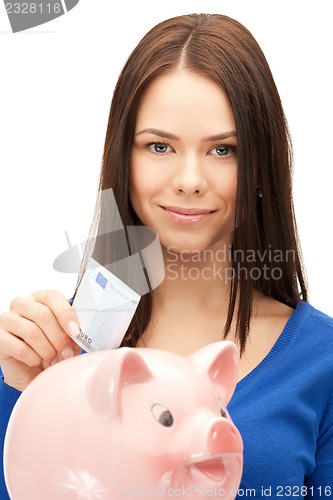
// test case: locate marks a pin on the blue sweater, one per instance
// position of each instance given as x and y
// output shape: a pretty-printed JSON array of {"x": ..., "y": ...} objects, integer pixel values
[
  {"x": 284, "y": 412},
  {"x": 283, "y": 409}
]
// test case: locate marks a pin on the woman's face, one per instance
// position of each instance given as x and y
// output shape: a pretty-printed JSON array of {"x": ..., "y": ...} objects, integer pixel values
[{"x": 184, "y": 162}]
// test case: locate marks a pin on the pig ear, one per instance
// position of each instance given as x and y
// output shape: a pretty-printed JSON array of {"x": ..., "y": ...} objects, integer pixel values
[
  {"x": 122, "y": 367},
  {"x": 220, "y": 360}
]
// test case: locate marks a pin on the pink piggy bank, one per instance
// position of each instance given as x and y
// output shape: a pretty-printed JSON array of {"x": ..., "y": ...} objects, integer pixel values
[{"x": 127, "y": 423}]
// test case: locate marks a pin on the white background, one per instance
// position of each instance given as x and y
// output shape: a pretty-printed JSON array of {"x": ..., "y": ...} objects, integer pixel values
[{"x": 55, "y": 90}]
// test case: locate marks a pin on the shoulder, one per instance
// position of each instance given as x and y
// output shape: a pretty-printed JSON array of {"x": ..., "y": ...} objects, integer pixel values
[
  {"x": 309, "y": 341},
  {"x": 309, "y": 319}
]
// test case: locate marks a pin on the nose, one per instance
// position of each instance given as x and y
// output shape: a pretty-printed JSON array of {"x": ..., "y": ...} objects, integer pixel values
[
  {"x": 223, "y": 437},
  {"x": 190, "y": 178}
]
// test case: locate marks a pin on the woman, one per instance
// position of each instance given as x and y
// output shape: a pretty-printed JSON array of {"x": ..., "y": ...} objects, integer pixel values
[{"x": 197, "y": 147}]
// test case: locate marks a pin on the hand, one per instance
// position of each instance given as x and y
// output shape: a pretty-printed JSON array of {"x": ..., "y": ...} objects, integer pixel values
[{"x": 34, "y": 334}]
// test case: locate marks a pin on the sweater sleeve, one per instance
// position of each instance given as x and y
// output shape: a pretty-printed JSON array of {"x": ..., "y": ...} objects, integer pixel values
[
  {"x": 319, "y": 484},
  {"x": 8, "y": 398}
]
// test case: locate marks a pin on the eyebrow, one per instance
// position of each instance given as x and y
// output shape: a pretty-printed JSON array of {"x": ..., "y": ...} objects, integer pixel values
[{"x": 168, "y": 135}]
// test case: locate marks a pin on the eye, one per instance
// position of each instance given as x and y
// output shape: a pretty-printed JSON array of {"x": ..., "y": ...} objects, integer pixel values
[
  {"x": 159, "y": 148},
  {"x": 162, "y": 415},
  {"x": 223, "y": 150},
  {"x": 223, "y": 411}
]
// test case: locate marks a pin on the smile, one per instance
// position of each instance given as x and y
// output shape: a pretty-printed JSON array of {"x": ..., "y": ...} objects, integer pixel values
[{"x": 187, "y": 216}]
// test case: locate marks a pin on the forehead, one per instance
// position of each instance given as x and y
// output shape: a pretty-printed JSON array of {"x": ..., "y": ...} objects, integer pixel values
[{"x": 183, "y": 98}]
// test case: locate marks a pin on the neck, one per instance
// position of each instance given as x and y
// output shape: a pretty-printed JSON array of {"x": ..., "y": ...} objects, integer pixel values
[
  {"x": 190, "y": 307},
  {"x": 196, "y": 279}
]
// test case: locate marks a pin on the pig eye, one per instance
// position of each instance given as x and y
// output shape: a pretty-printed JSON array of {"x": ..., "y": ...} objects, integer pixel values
[
  {"x": 222, "y": 410},
  {"x": 162, "y": 415}
]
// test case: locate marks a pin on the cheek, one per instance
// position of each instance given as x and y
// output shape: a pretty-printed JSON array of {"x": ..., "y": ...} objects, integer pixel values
[
  {"x": 226, "y": 187},
  {"x": 146, "y": 181}
]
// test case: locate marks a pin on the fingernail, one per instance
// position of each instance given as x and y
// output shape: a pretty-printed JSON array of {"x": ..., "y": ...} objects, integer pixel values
[
  {"x": 67, "y": 353},
  {"x": 73, "y": 329}
]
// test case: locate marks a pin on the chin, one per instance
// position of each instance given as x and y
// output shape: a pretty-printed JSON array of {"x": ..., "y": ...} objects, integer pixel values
[{"x": 190, "y": 247}]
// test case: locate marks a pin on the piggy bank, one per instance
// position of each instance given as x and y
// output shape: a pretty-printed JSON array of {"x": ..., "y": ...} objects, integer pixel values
[{"x": 127, "y": 423}]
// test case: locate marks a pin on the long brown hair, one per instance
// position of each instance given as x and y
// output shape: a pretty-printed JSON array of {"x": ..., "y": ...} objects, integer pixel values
[{"x": 223, "y": 50}]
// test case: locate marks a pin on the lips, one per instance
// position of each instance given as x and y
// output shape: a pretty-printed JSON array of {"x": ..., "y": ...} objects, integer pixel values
[
  {"x": 208, "y": 473},
  {"x": 187, "y": 211},
  {"x": 213, "y": 469},
  {"x": 187, "y": 216}
]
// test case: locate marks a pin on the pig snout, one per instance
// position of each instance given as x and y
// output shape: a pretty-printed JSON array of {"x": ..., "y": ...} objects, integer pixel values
[
  {"x": 221, "y": 462},
  {"x": 216, "y": 437},
  {"x": 223, "y": 437}
]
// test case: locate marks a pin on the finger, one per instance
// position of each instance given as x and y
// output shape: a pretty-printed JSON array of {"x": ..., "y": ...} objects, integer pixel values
[
  {"x": 28, "y": 331},
  {"x": 13, "y": 347},
  {"x": 62, "y": 310},
  {"x": 44, "y": 318},
  {"x": 73, "y": 350},
  {"x": 76, "y": 348}
]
